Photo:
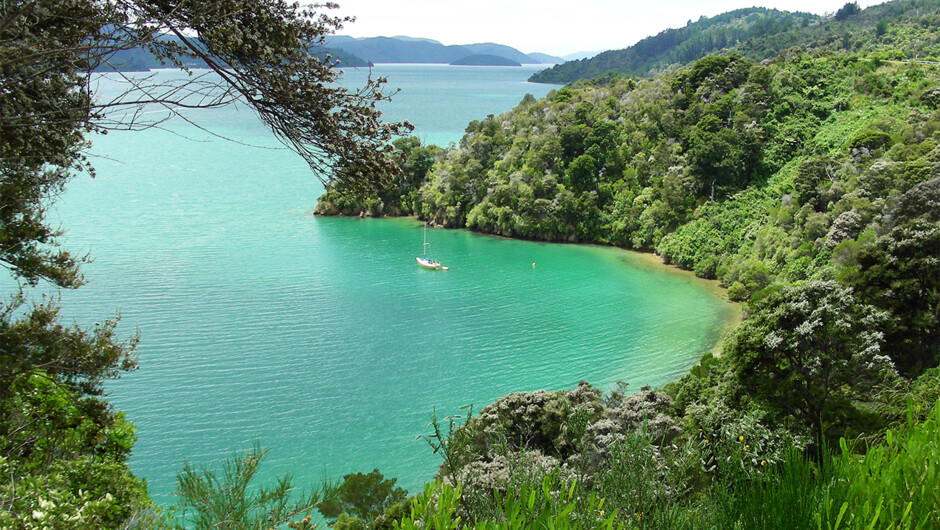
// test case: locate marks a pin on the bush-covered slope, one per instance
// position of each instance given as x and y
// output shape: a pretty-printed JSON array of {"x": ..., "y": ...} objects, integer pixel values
[
  {"x": 602, "y": 462},
  {"x": 900, "y": 29}
]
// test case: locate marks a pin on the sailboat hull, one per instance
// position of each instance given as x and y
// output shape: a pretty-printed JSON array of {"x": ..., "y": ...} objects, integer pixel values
[{"x": 428, "y": 263}]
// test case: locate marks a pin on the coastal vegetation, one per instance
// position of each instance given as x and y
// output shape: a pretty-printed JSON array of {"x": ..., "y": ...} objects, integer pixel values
[
  {"x": 806, "y": 183},
  {"x": 742, "y": 172}
]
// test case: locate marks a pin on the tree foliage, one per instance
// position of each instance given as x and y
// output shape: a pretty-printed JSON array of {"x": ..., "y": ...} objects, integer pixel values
[
  {"x": 62, "y": 460},
  {"x": 399, "y": 197},
  {"x": 362, "y": 496},
  {"x": 900, "y": 272},
  {"x": 37, "y": 343},
  {"x": 809, "y": 350},
  {"x": 846, "y": 11},
  {"x": 678, "y": 46},
  {"x": 46, "y": 113},
  {"x": 60, "y": 440},
  {"x": 257, "y": 53}
]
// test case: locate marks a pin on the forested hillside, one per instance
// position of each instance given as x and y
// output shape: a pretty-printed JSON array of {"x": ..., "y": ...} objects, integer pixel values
[
  {"x": 678, "y": 46},
  {"x": 900, "y": 29},
  {"x": 739, "y": 171}
]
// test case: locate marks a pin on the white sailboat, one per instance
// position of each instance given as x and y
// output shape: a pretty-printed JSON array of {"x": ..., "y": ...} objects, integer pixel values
[{"x": 424, "y": 260}]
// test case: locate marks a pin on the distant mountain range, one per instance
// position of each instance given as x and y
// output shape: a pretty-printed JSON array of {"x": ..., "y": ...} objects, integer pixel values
[
  {"x": 580, "y": 55},
  {"x": 415, "y": 50},
  {"x": 359, "y": 52},
  {"x": 140, "y": 60}
]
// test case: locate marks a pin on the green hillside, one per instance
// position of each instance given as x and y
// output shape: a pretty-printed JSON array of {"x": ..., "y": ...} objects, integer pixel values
[
  {"x": 697, "y": 164},
  {"x": 678, "y": 46},
  {"x": 809, "y": 185},
  {"x": 900, "y": 29}
]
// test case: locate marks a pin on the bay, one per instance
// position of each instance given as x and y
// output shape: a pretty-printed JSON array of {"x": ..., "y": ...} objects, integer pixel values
[{"x": 319, "y": 338}]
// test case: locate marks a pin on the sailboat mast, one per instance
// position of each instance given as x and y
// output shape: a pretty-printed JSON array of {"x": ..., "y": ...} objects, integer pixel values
[{"x": 426, "y": 244}]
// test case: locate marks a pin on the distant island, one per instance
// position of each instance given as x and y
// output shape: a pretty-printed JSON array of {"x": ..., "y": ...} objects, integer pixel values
[
  {"x": 413, "y": 50},
  {"x": 484, "y": 59}
]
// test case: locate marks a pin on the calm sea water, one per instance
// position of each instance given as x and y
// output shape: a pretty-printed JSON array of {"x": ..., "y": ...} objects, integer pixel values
[{"x": 319, "y": 338}]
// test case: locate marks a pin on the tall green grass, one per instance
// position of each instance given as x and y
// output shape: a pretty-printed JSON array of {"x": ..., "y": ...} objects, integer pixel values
[{"x": 894, "y": 485}]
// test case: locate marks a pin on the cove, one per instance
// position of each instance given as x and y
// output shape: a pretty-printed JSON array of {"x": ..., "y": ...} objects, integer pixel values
[{"x": 320, "y": 338}]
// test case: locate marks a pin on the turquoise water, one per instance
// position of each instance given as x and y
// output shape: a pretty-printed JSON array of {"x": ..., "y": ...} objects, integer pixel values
[{"x": 320, "y": 338}]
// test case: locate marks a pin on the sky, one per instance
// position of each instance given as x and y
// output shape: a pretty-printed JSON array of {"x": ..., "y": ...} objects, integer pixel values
[{"x": 546, "y": 26}]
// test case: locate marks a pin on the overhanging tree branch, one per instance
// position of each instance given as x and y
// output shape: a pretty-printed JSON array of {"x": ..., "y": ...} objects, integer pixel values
[{"x": 257, "y": 52}]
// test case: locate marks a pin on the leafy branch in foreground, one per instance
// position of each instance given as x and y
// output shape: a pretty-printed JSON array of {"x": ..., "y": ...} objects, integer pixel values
[
  {"x": 257, "y": 52},
  {"x": 35, "y": 342},
  {"x": 228, "y": 499},
  {"x": 451, "y": 443}
]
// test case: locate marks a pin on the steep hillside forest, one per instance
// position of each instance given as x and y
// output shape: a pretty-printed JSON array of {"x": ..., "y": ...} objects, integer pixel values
[
  {"x": 808, "y": 184},
  {"x": 898, "y": 29}
]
